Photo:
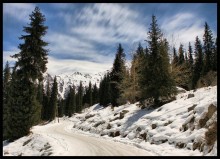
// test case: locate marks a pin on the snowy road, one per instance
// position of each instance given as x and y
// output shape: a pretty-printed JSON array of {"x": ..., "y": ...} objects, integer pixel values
[{"x": 67, "y": 143}]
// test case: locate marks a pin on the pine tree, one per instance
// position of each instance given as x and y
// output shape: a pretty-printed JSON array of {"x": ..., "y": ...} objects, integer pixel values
[
  {"x": 6, "y": 85},
  {"x": 105, "y": 90},
  {"x": 53, "y": 101},
  {"x": 71, "y": 101},
  {"x": 79, "y": 101},
  {"x": 131, "y": 82},
  {"x": 60, "y": 108},
  {"x": 191, "y": 62},
  {"x": 158, "y": 82},
  {"x": 117, "y": 74},
  {"x": 46, "y": 102},
  {"x": 90, "y": 94},
  {"x": 197, "y": 72},
  {"x": 95, "y": 94},
  {"x": 214, "y": 59},
  {"x": 24, "y": 108},
  {"x": 28, "y": 70},
  {"x": 32, "y": 52},
  {"x": 40, "y": 92},
  {"x": 181, "y": 55},
  {"x": 208, "y": 49},
  {"x": 175, "y": 58},
  {"x": 127, "y": 87}
]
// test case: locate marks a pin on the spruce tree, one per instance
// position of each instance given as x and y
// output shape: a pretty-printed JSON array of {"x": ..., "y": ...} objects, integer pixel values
[
  {"x": 208, "y": 49},
  {"x": 46, "y": 102},
  {"x": 214, "y": 59},
  {"x": 181, "y": 55},
  {"x": 79, "y": 101},
  {"x": 33, "y": 52},
  {"x": 6, "y": 85},
  {"x": 158, "y": 81},
  {"x": 25, "y": 109},
  {"x": 90, "y": 94},
  {"x": 71, "y": 101},
  {"x": 53, "y": 101},
  {"x": 95, "y": 94},
  {"x": 190, "y": 57},
  {"x": 117, "y": 75},
  {"x": 175, "y": 58},
  {"x": 132, "y": 89},
  {"x": 197, "y": 72}
]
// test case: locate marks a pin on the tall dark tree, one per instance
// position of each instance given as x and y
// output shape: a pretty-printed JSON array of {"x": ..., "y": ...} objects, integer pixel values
[
  {"x": 24, "y": 108},
  {"x": 6, "y": 85},
  {"x": 181, "y": 55},
  {"x": 117, "y": 75},
  {"x": 90, "y": 94},
  {"x": 71, "y": 101},
  {"x": 214, "y": 59},
  {"x": 95, "y": 94},
  {"x": 208, "y": 49},
  {"x": 131, "y": 84},
  {"x": 28, "y": 70},
  {"x": 190, "y": 56},
  {"x": 175, "y": 57},
  {"x": 40, "y": 92},
  {"x": 79, "y": 100},
  {"x": 33, "y": 54},
  {"x": 197, "y": 72},
  {"x": 105, "y": 90},
  {"x": 158, "y": 81},
  {"x": 53, "y": 101},
  {"x": 46, "y": 102}
]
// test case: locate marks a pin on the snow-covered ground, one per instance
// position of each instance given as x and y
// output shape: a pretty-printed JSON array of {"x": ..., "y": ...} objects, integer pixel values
[{"x": 175, "y": 129}]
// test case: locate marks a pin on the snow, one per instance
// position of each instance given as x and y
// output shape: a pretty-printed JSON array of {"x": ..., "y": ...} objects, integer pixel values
[{"x": 171, "y": 130}]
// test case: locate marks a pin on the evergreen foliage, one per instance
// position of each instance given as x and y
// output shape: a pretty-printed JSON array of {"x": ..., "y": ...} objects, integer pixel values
[
  {"x": 23, "y": 106},
  {"x": 117, "y": 75},
  {"x": 208, "y": 49},
  {"x": 157, "y": 82},
  {"x": 53, "y": 101},
  {"x": 197, "y": 72},
  {"x": 95, "y": 94},
  {"x": 32, "y": 58},
  {"x": 6, "y": 86},
  {"x": 181, "y": 55}
]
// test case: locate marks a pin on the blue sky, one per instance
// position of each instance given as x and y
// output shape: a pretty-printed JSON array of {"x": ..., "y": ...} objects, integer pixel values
[{"x": 84, "y": 37}]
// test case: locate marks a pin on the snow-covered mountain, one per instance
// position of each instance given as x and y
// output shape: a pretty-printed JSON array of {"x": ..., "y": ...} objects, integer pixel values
[{"x": 66, "y": 80}]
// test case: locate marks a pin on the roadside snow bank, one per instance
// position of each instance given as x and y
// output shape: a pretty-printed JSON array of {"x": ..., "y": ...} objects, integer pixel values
[{"x": 182, "y": 123}]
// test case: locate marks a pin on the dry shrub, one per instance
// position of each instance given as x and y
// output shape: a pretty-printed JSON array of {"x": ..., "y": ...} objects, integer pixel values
[{"x": 211, "y": 134}]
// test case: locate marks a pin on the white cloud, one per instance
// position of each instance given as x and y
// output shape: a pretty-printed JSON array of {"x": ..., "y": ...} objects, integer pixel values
[
  {"x": 59, "y": 66},
  {"x": 183, "y": 28},
  {"x": 18, "y": 11},
  {"x": 108, "y": 23},
  {"x": 62, "y": 44}
]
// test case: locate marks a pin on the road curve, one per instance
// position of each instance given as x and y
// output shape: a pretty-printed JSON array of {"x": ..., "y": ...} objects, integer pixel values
[{"x": 66, "y": 143}]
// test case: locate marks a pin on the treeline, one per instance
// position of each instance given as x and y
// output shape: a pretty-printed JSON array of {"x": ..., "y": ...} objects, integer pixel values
[
  {"x": 153, "y": 76},
  {"x": 77, "y": 99}
]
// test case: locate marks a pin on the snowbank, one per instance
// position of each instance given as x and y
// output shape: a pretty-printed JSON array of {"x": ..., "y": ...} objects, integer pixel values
[{"x": 178, "y": 126}]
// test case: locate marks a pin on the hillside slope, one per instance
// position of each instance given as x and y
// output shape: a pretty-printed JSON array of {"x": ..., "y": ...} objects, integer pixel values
[{"x": 187, "y": 126}]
